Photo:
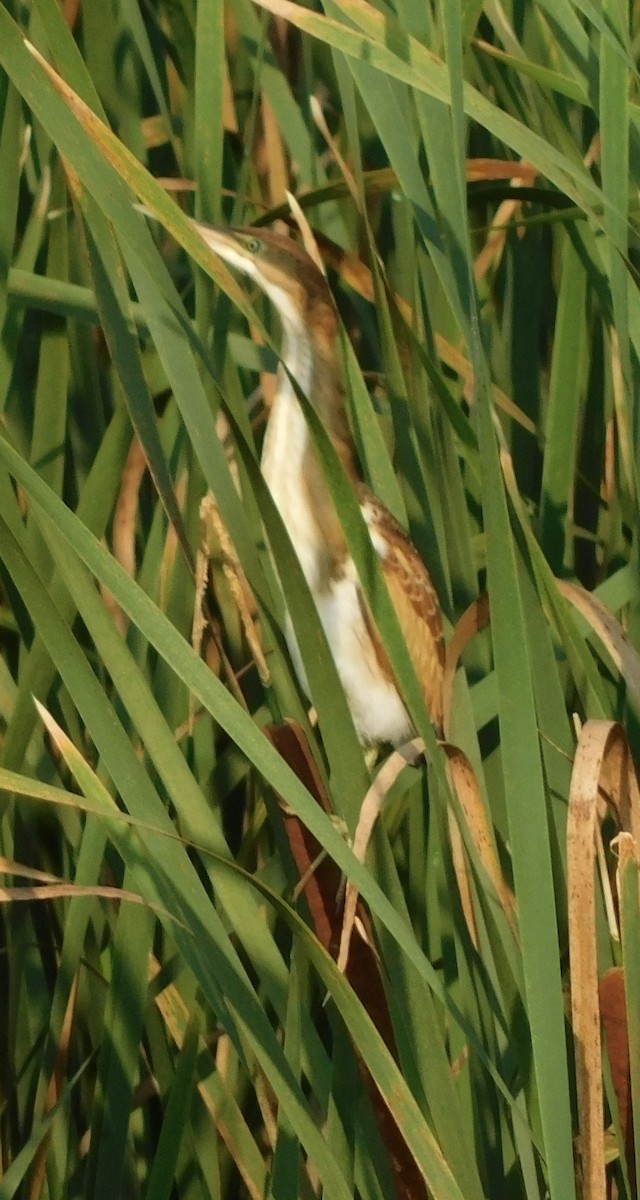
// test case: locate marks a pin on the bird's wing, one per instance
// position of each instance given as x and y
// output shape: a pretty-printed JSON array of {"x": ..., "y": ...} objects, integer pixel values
[{"x": 414, "y": 599}]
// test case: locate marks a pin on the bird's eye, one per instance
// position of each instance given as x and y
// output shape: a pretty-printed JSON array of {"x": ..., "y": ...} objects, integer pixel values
[{"x": 253, "y": 245}]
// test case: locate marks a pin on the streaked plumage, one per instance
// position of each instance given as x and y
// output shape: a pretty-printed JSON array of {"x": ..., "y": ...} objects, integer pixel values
[{"x": 309, "y": 321}]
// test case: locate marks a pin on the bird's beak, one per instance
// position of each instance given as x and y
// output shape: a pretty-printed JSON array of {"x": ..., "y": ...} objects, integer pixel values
[
  {"x": 223, "y": 243},
  {"x": 219, "y": 240}
]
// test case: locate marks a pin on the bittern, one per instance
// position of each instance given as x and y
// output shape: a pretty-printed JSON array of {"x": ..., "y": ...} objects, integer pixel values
[{"x": 309, "y": 355}]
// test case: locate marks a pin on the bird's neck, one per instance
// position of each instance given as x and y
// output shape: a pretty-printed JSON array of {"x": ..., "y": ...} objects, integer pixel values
[{"x": 289, "y": 461}]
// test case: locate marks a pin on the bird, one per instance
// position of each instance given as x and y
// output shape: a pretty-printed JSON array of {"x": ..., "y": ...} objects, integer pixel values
[{"x": 302, "y": 298}]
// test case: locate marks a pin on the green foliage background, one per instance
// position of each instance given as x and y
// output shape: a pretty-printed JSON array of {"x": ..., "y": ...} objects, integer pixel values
[{"x": 181, "y": 1048}]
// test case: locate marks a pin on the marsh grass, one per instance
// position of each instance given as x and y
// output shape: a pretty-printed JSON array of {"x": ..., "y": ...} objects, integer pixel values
[{"x": 476, "y": 202}]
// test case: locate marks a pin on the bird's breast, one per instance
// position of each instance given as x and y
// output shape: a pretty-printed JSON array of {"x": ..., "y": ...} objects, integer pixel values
[
  {"x": 377, "y": 710},
  {"x": 285, "y": 457}
]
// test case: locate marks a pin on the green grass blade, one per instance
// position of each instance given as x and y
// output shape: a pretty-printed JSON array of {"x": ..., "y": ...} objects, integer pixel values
[{"x": 176, "y": 1119}]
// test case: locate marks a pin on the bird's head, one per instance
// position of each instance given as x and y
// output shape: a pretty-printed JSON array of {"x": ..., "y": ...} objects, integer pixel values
[{"x": 284, "y": 271}]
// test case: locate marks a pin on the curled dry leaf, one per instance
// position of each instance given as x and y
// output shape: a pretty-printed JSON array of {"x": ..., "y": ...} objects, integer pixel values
[
  {"x": 369, "y": 813},
  {"x": 602, "y": 767},
  {"x": 467, "y": 789},
  {"x": 628, "y": 887},
  {"x": 463, "y": 780}
]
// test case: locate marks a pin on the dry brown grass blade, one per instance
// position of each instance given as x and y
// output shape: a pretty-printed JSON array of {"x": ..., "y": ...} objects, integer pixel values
[
  {"x": 369, "y": 814},
  {"x": 357, "y": 275},
  {"x": 476, "y": 618},
  {"x": 308, "y": 237},
  {"x": 58, "y": 891},
  {"x": 380, "y": 181},
  {"x": 613, "y": 1010},
  {"x": 362, "y": 969},
  {"x": 609, "y": 630},
  {"x": 225, "y": 1115},
  {"x": 464, "y": 781},
  {"x": 123, "y": 535},
  {"x": 499, "y": 168},
  {"x": 275, "y": 158},
  {"x": 199, "y": 622},
  {"x": 624, "y": 432},
  {"x": 54, "y": 1091},
  {"x": 9, "y": 866},
  {"x": 229, "y": 113},
  {"x": 473, "y": 620},
  {"x": 627, "y": 883},
  {"x": 126, "y": 510},
  {"x": 171, "y": 545},
  {"x": 347, "y": 174},
  {"x": 320, "y": 875},
  {"x": 491, "y": 252},
  {"x": 71, "y": 11},
  {"x": 238, "y": 584},
  {"x": 602, "y": 766}
]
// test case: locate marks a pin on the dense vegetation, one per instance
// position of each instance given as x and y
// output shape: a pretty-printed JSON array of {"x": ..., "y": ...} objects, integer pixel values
[{"x": 470, "y": 175}]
